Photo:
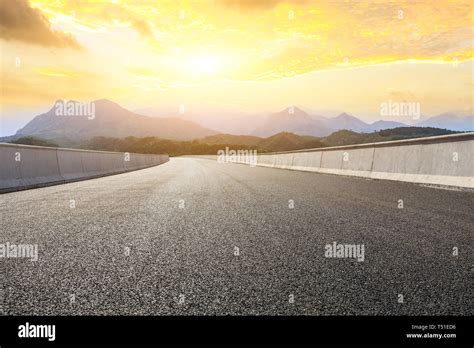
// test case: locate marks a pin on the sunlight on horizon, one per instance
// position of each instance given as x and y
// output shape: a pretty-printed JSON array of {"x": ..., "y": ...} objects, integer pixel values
[{"x": 236, "y": 52}]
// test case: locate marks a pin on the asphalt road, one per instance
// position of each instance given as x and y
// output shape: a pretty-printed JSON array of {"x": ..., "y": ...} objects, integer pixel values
[{"x": 163, "y": 241}]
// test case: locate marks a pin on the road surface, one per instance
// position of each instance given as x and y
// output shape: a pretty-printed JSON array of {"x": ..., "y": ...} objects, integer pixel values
[{"x": 193, "y": 236}]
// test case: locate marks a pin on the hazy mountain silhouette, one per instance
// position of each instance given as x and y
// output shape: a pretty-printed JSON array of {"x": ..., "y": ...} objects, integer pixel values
[
  {"x": 219, "y": 119},
  {"x": 110, "y": 120},
  {"x": 292, "y": 120},
  {"x": 300, "y": 122},
  {"x": 346, "y": 121},
  {"x": 379, "y": 125},
  {"x": 450, "y": 121}
]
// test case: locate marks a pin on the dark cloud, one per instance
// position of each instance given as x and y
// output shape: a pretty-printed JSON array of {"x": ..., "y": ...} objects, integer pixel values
[{"x": 19, "y": 21}]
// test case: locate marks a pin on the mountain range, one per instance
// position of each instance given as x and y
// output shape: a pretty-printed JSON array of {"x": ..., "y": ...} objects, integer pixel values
[
  {"x": 450, "y": 121},
  {"x": 112, "y": 120},
  {"x": 298, "y": 121},
  {"x": 286, "y": 141},
  {"x": 306, "y": 122}
]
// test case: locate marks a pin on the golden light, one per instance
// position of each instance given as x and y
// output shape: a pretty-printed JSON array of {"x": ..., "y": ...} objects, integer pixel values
[{"x": 204, "y": 64}]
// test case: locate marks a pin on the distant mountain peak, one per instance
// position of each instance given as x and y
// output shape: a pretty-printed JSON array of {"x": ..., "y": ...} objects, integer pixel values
[
  {"x": 292, "y": 112},
  {"x": 449, "y": 120},
  {"x": 112, "y": 120},
  {"x": 345, "y": 115},
  {"x": 292, "y": 109},
  {"x": 106, "y": 102}
]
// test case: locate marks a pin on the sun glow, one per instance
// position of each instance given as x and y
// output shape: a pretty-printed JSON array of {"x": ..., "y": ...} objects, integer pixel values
[
  {"x": 204, "y": 64},
  {"x": 139, "y": 51}
]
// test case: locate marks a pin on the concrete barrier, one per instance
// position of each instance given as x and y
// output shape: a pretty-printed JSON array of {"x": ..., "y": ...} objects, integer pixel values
[
  {"x": 23, "y": 166},
  {"x": 302, "y": 160},
  {"x": 70, "y": 165},
  {"x": 37, "y": 168},
  {"x": 10, "y": 174},
  {"x": 440, "y": 160}
]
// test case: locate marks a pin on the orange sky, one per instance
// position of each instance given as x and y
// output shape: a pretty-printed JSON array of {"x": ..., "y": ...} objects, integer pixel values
[{"x": 249, "y": 55}]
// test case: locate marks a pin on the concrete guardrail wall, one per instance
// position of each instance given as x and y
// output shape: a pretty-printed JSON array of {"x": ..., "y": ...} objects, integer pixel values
[
  {"x": 440, "y": 160},
  {"x": 23, "y": 167}
]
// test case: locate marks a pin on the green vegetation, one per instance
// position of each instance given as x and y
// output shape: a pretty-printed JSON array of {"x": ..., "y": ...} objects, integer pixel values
[
  {"x": 210, "y": 145},
  {"x": 33, "y": 141},
  {"x": 288, "y": 141},
  {"x": 346, "y": 137},
  {"x": 157, "y": 146}
]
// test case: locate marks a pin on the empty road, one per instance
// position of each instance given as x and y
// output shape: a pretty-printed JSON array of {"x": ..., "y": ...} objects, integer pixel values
[{"x": 193, "y": 236}]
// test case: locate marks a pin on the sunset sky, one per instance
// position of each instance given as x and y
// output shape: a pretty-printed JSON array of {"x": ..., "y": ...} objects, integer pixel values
[{"x": 241, "y": 55}]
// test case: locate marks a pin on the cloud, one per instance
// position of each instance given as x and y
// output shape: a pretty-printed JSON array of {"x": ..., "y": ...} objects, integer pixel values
[
  {"x": 258, "y": 39},
  {"x": 57, "y": 71},
  {"x": 142, "y": 28},
  {"x": 19, "y": 21},
  {"x": 142, "y": 72},
  {"x": 259, "y": 4},
  {"x": 400, "y": 95},
  {"x": 251, "y": 4}
]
